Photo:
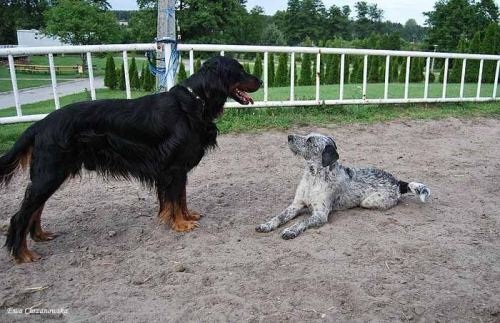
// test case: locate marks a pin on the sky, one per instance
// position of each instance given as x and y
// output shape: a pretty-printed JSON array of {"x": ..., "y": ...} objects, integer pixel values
[{"x": 394, "y": 10}]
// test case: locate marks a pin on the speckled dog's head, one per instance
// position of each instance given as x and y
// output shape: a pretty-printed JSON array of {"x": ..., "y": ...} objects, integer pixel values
[{"x": 315, "y": 148}]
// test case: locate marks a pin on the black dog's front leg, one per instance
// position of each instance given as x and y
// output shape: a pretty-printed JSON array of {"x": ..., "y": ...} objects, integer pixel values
[
  {"x": 290, "y": 212},
  {"x": 317, "y": 219}
]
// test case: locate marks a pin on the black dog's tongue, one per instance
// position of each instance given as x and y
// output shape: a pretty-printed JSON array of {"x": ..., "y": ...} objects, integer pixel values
[{"x": 244, "y": 97}]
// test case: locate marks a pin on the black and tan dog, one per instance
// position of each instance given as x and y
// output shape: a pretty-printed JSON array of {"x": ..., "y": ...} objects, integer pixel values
[{"x": 157, "y": 139}]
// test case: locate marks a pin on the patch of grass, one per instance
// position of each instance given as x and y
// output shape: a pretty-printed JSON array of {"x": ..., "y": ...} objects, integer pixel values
[{"x": 252, "y": 119}]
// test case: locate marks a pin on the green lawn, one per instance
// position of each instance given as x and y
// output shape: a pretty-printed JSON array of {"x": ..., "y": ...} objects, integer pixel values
[
  {"x": 252, "y": 119},
  {"x": 351, "y": 91}
]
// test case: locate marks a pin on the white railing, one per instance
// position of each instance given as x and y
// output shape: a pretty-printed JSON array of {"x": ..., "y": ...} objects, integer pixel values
[{"x": 191, "y": 48}]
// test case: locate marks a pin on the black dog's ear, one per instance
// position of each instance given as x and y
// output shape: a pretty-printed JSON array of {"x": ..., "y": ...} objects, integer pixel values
[{"x": 329, "y": 155}]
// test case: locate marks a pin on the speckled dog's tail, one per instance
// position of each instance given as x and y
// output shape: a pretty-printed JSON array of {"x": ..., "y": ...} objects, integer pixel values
[{"x": 419, "y": 189}]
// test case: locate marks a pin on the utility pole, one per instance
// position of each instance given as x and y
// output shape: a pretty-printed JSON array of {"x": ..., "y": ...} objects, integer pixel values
[{"x": 165, "y": 31}]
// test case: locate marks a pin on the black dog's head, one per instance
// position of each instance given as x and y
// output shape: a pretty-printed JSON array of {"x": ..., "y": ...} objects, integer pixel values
[
  {"x": 317, "y": 149},
  {"x": 221, "y": 77}
]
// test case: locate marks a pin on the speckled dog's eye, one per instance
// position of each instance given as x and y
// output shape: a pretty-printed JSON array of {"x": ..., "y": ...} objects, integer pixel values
[{"x": 310, "y": 140}]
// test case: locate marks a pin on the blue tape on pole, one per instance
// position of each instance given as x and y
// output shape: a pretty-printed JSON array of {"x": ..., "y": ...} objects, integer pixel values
[{"x": 171, "y": 63}]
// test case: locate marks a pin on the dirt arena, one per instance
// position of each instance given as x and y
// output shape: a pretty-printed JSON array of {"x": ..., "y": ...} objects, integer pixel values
[{"x": 435, "y": 262}]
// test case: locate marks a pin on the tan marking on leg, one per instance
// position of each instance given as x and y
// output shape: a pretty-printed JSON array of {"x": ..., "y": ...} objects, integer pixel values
[
  {"x": 39, "y": 235},
  {"x": 25, "y": 255},
  {"x": 188, "y": 215},
  {"x": 180, "y": 223},
  {"x": 166, "y": 213}
]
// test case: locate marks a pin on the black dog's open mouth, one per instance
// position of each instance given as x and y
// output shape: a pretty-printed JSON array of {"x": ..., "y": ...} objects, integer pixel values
[{"x": 241, "y": 97}]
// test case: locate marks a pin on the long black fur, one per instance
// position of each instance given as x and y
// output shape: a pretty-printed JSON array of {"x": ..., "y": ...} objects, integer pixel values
[{"x": 157, "y": 139}]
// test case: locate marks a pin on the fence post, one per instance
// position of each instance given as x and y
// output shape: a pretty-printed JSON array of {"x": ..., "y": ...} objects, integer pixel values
[
  {"x": 318, "y": 74},
  {"x": 54, "y": 80},
  {"x": 91, "y": 75},
  {"x": 14, "y": 85},
  {"x": 481, "y": 64},
  {"x": 407, "y": 76},
  {"x": 292, "y": 76},
  {"x": 462, "y": 81},
  {"x": 495, "y": 86},
  {"x": 445, "y": 79},
  {"x": 365, "y": 75},
  {"x": 191, "y": 62},
  {"x": 265, "y": 75},
  {"x": 342, "y": 68},
  {"x": 427, "y": 70},
  {"x": 125, "y": 69},
  {"x": 386, "y": 82}
]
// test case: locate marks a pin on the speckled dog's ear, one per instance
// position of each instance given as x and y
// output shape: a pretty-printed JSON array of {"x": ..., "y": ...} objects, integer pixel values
[{"x": 329, "y": 155}]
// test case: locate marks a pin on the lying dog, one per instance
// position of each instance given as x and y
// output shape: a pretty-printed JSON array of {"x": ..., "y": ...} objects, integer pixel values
[
  {"x": 157, "y": 139},
  {"x": 327, "y": 186}
]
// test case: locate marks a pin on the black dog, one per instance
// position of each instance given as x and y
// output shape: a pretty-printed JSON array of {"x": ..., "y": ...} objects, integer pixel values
[{"x": 157, "y": 139}]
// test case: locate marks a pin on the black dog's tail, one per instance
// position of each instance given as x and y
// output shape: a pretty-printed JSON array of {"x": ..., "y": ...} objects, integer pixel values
[
  {"x": 19, "y": 155},
  {"x": 419, "y": 189}
]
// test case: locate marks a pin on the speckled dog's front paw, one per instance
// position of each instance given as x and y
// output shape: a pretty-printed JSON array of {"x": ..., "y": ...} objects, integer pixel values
[
  {"x": 264, "y": 227},
  {"x": 288, "y": 234}
]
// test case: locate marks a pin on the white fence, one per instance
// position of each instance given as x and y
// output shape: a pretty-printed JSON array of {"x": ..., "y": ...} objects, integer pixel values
[{"x": 191, "y": 48}]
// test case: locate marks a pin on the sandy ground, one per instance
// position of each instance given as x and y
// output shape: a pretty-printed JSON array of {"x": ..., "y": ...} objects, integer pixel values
[{"x": 435, "y": 262}]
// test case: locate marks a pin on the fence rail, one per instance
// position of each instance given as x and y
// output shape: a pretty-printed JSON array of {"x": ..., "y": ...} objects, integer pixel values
[{"x": 293, "y": 51}]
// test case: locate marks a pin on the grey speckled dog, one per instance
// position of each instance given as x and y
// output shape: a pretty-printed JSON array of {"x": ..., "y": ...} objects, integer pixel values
[{"x": 327, "y": 186}]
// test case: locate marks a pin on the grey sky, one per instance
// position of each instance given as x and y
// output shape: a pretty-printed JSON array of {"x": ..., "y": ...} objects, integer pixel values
[{"x": 394, "y": 10}]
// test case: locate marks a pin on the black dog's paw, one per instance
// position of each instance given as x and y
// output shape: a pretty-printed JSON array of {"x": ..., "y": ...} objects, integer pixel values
[
  {"x": 264, "y": 227},
  {"x": 288, "y": 234}
]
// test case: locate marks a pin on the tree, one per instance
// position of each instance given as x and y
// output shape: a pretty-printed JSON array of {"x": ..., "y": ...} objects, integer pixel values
[
  {"x": 246, "y": 67},
  {"x": 456, "y": 71},
  {"x": 304, "y": 18},
  {"x": 305, "y": 70},
  {"x": 490, "y": 46},
  {"x": 452, "y": 19},
  {"x": 402, "y": 73},
  {"x": 121, "y": 78},
  {"x": 416, "y": 69},
  {"x": 141, "y": 26},
  {"x": 357, "y": 71},
  {"x": 197, "y": 64},
  {"x": 142, "y": 78},
  {"x": 257, "y": 67},
  {"x": 255, "y": 23},
  {"x": 373, "y": 71},
  {"x": 148, "y": 80},
  {"x": 110, "y": 79},
  {"x": 182, "y": 75},
  {"x": 270, "y": 70},
  {"x": 209, "y": 22},
  {"x": 394, "y": 73},
  {"x": 282, "y": 78},
  {"x": 412, "y": 31},
  {"x": 81, "y": 23},
  {"x": 472, "y": 68},
  {"x": 441, "y": 75},
  {"x": 134, "y": 75},
  {"x": 272, "y": 36},
  {"x": 20, "y": 14}
]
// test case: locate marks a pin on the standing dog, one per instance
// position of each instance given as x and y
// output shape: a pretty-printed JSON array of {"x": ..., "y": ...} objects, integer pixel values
[
  {"x": 327, "y": 186},
  {"x": 157, "y": 139}
]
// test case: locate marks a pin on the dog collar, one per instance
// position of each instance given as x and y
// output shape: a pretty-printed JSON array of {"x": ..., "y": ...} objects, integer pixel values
[{"x": 196, "y": 96}]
